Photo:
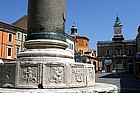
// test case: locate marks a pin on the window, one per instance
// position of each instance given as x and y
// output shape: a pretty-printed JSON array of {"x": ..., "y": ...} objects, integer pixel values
[
  {"x": 107, "y": 52},
  {"x": 17, "y": 49},
  {"x": 9, "y": 52},
  {"x": 18, "y": 36},
  {"x": 129, "y": 51},
  {"x": 10, "y": 37},
  {"x": 81, "y": 51},
  {"x": 70, "y": 46},
  {"x": 118, "y": 51},
  {"x": 24, "y": 37},
  {"x": 100, "y": 64}
]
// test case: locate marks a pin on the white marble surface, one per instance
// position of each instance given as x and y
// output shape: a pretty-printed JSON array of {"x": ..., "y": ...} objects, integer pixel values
[{"x": 98, "y": 88}]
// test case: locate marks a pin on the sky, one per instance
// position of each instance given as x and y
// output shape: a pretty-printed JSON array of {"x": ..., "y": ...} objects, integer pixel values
[{"x": 93, "y": 18}]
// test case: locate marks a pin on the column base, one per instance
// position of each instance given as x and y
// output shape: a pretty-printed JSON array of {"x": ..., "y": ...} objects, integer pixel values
[
  {"x": 97, "y": 88},
  {"x": 46, "y": 75}
]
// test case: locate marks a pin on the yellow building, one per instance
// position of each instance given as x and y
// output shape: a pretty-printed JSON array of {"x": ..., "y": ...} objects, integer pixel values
[{"x": 21, "y": 32}]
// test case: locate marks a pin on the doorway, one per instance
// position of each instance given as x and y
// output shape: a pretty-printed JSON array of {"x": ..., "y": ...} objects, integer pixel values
[
  {"x": 119, "y": 66},
  {"x": 130, "y": 66},
  {"x": 108, "y": 69}
]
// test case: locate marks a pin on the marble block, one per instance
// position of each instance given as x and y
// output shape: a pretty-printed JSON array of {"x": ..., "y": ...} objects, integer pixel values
[{"x": 46, "y": 75}]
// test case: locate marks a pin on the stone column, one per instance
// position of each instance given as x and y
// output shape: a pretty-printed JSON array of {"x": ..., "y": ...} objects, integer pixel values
[
  {"x": 46, "y": 19},
  {"x": 46, "y": 39},
  {"x": 46, "y": 62}
]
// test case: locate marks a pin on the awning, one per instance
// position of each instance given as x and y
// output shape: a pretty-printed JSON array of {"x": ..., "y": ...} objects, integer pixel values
[
  {"x": 108, "y": 62},
  {"x": 138, "y": 57}
]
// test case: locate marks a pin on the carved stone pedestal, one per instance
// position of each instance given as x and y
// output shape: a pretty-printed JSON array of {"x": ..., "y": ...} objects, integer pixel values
[
  {"x": 46, "y": 75},
  {"x": 50, "y": 67},
  {"x": 47, "y": 64}
]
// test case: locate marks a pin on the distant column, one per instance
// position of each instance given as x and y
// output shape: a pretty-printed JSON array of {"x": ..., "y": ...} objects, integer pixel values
[{"x": 46, "y": 19}]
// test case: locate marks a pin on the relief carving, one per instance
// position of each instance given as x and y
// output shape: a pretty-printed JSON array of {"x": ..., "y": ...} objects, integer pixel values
[
  {"x": 90, "y": 71},
  {"x": 78, "y": 74},
  {"x": 29, "y": 75},
  {"x": 56, "y": 74},
  {"x": 7, "y": 74}
]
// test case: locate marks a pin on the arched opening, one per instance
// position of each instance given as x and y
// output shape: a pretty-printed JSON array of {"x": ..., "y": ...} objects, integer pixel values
[
  {"x": 130, "y": 66},
  {"x": 119, "y": 66},
  {"x": 108, "y": 63}
]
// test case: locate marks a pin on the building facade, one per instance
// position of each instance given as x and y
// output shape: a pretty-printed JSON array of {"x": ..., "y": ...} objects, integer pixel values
[
  {"x": 71, "y": 44},
  {"x": 138, "y": 41},
  {"x": 117, "y": 54},
  {"x": 20, "y": 40},
  {"x": 7, "y": 42},
  {"x": 21, "y": 32},
  {"x": 91, "y": 58},
  {"x": 12, "y": 38},
  {"x": 82, "y": 52},
  {"x": 137, "y": 58}
]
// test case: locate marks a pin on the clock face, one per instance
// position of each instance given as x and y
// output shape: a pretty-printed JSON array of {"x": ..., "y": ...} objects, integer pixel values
[{"x": 117, "y": 31}]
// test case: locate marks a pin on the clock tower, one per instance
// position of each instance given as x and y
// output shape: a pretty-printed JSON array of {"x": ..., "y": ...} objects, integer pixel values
[{"x": 118, "y": 30}]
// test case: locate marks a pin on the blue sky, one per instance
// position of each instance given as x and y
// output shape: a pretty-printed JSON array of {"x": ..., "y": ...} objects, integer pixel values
[{"x": 93, "y": 18}]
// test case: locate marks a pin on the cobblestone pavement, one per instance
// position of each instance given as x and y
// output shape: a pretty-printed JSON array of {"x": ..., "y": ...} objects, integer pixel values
[{"x": 126, "y": 82}]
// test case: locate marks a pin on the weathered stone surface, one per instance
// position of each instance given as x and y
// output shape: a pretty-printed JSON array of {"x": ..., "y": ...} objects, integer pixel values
[
  {"x": 46, "y": 19},
  {"x": 28, "y": 75},
  {"x": 97, "y": 88},
  {"x": 55, "y": 75},
  {"x": 90, "y": 75},
  {"x": 78, "y": 75},
  {"x": 43, "y": 50},
  {"x": 8, "y": 74},
  {"x": 67, "y": 75}
]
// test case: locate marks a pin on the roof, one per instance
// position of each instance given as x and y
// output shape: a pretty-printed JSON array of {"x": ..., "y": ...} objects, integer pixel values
[
  {"x": 75, "y": 34},
  {"x": 7, "y": 27},
  {"x": 21, "y": 23},
  {"x": 117, "y": 21},
  {"x": 108, "y": 42},
  {"x": 70, "y": 37},
  {"x": 79, "y": 36},
  {"x": 74, "y": 29}
]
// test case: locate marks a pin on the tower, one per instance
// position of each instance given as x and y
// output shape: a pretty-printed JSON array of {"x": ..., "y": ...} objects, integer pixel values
[
  {"x": 74, "y": 30},
  {"x": 118, "y": 36}
]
